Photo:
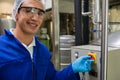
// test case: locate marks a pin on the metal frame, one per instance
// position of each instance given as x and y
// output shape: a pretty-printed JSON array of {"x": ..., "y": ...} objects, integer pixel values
[
  {"x": 104, "y": 40},
  {"x": 55, "y": 33}
]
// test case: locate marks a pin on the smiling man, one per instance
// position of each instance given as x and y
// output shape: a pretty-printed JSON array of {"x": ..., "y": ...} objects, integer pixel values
[
  {"x": 28, "y": 20},
  {"x": 23, "y": 57}
]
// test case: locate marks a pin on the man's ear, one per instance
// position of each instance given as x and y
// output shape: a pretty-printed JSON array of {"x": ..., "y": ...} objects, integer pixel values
[{"x": 16, "y": 17}]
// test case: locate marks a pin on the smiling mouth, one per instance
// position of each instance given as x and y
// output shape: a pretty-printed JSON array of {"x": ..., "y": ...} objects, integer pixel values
[{"x": 32, "y": 25}]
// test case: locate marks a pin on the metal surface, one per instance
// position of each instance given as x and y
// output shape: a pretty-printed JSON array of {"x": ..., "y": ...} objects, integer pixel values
[
  {"x": 113, "y": 40},
  {"x": 113, "y": 61},
  {"x": 55, "y": 41},
  {"x": 96, "y": 18},
  {"x": 104, "y": 40},
  {"x": 66, "y": 41}
]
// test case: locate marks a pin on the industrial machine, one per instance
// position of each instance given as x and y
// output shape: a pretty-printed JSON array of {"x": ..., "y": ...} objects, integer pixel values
[
  {"x": 113, "y": 61},
  {"x": 66, "y": 41}
]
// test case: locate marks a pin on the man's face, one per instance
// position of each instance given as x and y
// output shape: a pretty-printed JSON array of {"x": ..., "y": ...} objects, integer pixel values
[{"x": 30, "y": 17}]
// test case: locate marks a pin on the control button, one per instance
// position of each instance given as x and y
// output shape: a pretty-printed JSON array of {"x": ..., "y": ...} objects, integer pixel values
[
  {"x": 93, "y": 56},
  {"x": 76, "y": 55}
]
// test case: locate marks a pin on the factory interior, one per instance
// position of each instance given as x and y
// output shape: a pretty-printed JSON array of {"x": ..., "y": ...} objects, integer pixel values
[{"x": 73, "y": 28}]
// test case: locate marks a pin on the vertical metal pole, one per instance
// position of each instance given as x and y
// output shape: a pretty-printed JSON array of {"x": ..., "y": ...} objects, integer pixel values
[
  {"x": 56, "y": 33},
  {"x": 104, "y": 40}
]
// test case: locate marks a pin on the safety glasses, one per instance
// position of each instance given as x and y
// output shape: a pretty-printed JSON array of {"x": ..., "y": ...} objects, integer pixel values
[{"x": 30, "y": 11}]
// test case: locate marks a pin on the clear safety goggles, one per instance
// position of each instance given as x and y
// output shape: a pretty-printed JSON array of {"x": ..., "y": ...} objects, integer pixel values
[{"x": 31, "y": 11}]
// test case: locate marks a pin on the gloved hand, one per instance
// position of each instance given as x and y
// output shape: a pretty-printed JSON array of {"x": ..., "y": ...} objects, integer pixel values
[{"x": 82, "y": 64}]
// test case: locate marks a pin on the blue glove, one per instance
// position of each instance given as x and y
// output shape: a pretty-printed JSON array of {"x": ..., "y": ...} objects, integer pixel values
[{"x": 82, "y": 64}]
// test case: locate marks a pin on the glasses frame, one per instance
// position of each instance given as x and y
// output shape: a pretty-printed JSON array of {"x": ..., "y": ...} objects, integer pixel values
[{"x": 32, "y": 8}]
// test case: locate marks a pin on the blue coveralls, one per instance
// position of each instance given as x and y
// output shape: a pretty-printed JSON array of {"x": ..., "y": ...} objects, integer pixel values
[{"x": 16, "y": 63}]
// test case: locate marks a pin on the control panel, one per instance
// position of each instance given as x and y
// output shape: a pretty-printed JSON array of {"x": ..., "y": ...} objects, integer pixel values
[{"x": 95, "y": 52}]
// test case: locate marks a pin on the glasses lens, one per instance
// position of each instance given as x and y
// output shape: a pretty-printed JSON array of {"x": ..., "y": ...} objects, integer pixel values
[
  {"x": 28, "y": 9},
  {"x": 32, "y": 10},
  {"x": 40, "y": 12}
]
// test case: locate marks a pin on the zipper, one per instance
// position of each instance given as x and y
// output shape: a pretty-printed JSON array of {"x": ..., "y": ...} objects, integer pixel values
[{"x": 32, "y": 68}]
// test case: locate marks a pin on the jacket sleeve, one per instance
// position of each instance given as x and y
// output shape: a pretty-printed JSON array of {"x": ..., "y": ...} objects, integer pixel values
[
  {"x": 65, "y": 74},
  {"x": 51, "y": 73}
]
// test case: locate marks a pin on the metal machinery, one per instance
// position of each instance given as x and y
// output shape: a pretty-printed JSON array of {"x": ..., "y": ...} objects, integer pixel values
[
  {"x": 66, "y": 41},
  {"x": 107, "y": 63},
  {"x": 113, "y": 63}
]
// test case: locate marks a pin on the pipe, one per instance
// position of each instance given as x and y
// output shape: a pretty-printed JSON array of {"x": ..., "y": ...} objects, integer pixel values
[
  {"x": 86, "y": 23},
  {"x": 96, "y": 18},
  {"x": 55, "y": 4},
  {"x": 94, "y": 14},
  {"x": 104, "y": 40},
  {"x": 78, "y": 23}
]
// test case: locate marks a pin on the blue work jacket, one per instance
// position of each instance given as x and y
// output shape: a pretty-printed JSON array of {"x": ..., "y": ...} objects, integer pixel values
[{"x": 16, "y": 63}]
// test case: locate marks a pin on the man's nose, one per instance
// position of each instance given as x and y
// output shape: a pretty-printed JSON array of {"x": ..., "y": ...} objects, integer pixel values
[{"x": 35, "y": 16}]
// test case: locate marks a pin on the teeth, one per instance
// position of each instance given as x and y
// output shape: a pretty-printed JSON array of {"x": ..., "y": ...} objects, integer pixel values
[{"x": 33, "y": 24}]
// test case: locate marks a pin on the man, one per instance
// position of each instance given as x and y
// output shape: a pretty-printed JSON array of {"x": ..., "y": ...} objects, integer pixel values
[{"x": 23, "y": 57}]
